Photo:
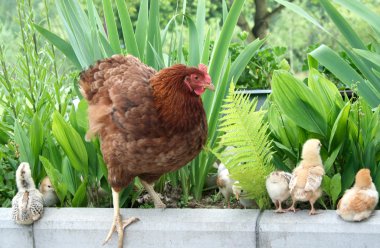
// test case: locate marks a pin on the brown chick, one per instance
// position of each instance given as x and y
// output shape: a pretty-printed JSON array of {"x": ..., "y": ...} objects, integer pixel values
[
  {"x": 48, "y": 192},
  {"x": 277, "y": 184},
  {"x": 305, "y": 184},
  {"x": 358, "y": 202}
]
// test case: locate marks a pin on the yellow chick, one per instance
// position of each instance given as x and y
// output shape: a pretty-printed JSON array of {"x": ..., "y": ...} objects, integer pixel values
[
  {"x": 358, "y": 202},
  {"x": 48, "y": 192},
  {"x": 224, "y": 182},
  {"x": 27, "y": 204},
  {"x": 305, "y": 184},
  {"x": 277, "y": 184}
]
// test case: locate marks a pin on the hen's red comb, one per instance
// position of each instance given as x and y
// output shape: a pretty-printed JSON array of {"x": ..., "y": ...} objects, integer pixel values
[{"x": 202, "y": 68}]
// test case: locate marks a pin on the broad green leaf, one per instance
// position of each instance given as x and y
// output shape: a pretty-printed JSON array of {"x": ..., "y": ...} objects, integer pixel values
[
  {"x": 23, "y": 145},
  {"x": 206, "y": 49},
  {"x": 56, "y": 179},
  {"x": 127, "y": 28},
  {"x": 71, "y": 143},
  {"x": 298, "y": 102},
  {"x": 69, "y": 176},
  {"x": 339, "y": 130},
  {"x": 327, "y": 92},
  {"x": 36, "y": 138},
  {"x": 82, "y": 115},
  {"x": 335, "y": 188},
  {"x": 80, "y": 196},
  {"x": 326, "y": 182},
  {"x": 332, "y": 158},
  {"x": 61, "y": 44},
  {"x": 113, "y": 35}
]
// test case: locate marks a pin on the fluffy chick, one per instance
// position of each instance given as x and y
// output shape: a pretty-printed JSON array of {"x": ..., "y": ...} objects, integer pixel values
[
  {"x": 277, "y": 184},
  {"x": 358, "y": 202},
  {"x": 224, "y": 182},
  {"x": 305, "y": 184},
  {"x": 27, "y": 204},
  {"x": 48, "y": 192},
  {"x": 241, "y": 196}
]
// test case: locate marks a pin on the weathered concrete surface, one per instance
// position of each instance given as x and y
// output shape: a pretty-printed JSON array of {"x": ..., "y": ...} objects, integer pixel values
[
  {"x": 75, "y": 227},
  {"x": 87, "y": 227},
  {"x": 13, "y": 235},
  {"x": 326, "y": 229}
]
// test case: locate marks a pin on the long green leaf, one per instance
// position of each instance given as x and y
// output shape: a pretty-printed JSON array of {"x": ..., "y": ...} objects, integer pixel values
[
  {"x": 194, "y": 54},
  {"x": 361, "y": 10},
  {"x": 127, "y": 28},
  {"x": 152, "y": 33},
  {"x": 113, "y": 35},
  {"x": 344, "y": 27},
  {"x": 61, "y": 44},
  {"x": 141, "y": 28}
]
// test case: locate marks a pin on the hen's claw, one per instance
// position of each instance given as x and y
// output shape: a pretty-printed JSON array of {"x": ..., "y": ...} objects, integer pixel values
[{"x": 119, "y": 225}]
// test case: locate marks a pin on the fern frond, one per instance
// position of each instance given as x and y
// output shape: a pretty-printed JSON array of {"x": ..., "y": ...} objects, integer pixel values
[{"x": 249, "y": 157}]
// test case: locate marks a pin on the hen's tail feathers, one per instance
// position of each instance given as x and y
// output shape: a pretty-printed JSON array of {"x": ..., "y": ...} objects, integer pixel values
[{"x": 92, "y": 79}]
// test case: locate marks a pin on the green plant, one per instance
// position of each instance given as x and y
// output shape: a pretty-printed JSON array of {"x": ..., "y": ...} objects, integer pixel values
[
  {"x": 258, "y": 72},
  {"x": 147, "y": 42},
  {"x": 365, "y": 58},
  {"x": 349, "y": 131},
  {"x": 249, "y": 155}
]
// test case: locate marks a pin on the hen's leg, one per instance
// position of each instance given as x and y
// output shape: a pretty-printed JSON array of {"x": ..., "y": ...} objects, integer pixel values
[
  {"x": 156, "y": 198},
  {"x": 118, "y": 223}
]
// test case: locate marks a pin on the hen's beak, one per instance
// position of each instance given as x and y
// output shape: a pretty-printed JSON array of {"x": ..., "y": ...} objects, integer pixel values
[{"x": 209, "y": 86}]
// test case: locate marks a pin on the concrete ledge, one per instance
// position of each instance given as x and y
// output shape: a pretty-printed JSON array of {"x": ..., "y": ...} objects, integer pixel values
[
  {"x": 87, "y": 227},
  {"x": 326, "y": 229}
]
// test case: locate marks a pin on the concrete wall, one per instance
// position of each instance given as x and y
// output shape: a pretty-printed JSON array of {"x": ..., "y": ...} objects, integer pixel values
[{"x": 87, "y": 227}]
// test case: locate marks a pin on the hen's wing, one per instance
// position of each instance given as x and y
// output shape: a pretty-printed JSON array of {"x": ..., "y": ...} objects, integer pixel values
[
  {"x": 119, "y": 91},
  {"x": 361, "y": 202}
]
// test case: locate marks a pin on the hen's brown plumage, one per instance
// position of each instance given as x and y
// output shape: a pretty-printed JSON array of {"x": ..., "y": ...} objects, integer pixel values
[{"x": 149, "y": 122}]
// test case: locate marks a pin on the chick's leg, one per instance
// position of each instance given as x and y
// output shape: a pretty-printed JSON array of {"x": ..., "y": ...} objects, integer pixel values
[
  {"x": 312, "y": 210},
  {"x": 118, "y": 223},
  {"x": 156, "y": 198},
  {"x": 279, "y": 208},
  {"x": 293, "y": 206}
]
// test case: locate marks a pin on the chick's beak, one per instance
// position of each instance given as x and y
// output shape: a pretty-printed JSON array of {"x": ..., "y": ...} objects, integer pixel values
[{"x": 237, "y": 196}]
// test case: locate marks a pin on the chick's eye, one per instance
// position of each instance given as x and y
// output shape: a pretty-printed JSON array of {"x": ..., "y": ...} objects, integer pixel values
[{"x": 49, "y": 186}]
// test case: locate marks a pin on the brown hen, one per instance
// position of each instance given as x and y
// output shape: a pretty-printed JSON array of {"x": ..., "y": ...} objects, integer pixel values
[{"x": 149, "y": 122}]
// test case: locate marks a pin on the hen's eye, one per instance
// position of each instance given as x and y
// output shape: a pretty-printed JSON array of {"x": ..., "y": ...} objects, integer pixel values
[{"x": 196, "y": 77}]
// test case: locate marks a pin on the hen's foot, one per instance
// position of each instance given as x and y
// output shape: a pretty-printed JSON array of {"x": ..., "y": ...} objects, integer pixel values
[
  {"x": 155, "y": 197},
  {"x": 119, "y": 225}
]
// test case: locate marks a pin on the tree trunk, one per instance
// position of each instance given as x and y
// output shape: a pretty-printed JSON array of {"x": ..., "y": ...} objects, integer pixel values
[{"x": 261, "y": 19}]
